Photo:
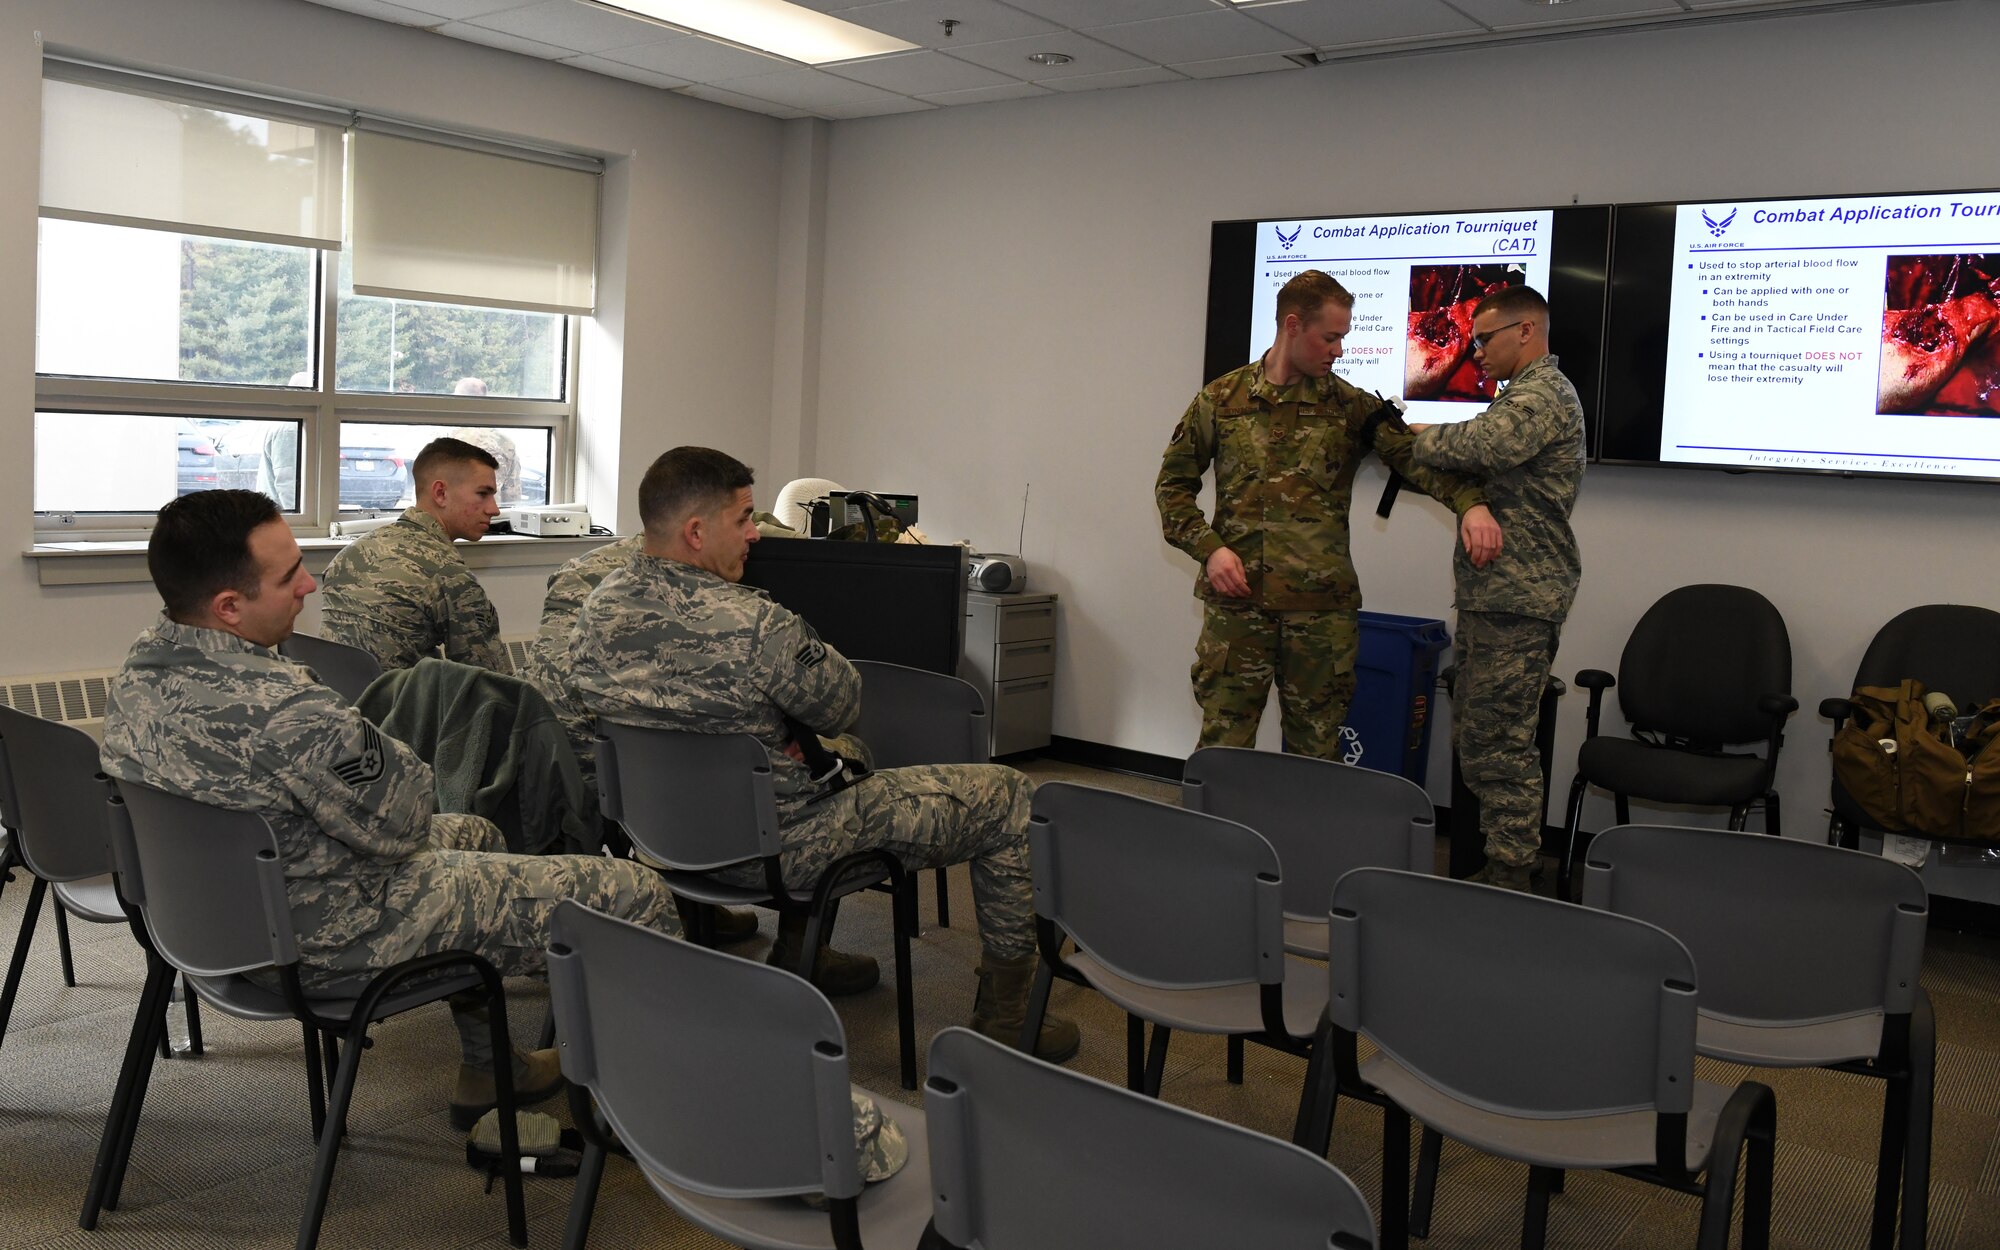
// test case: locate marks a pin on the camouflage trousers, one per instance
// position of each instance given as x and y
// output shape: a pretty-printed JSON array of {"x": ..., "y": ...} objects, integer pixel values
[
  {"x": 1310, "y": 655},
  {"x": 932, "y": 816},
  {"x": 459, "y": 895},
  {"x": 1502, "y": 664}
]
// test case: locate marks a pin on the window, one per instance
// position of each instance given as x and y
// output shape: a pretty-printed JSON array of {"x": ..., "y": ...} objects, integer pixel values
[{"x": 199, "y": 327}]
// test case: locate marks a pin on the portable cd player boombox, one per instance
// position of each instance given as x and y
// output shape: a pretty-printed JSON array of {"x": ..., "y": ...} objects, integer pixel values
[{"x": 997, "y": 574}]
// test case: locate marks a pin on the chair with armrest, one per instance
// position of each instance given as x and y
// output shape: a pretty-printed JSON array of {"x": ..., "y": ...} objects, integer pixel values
[
  {"x": 206, "y": 890},
  {"x": 1951, "y": 647},
  {"x": 913, "y": 716},
  {"x": 697, "y": 804},
  {"x": 1706, "y": 667},
  {"x": 347, "y": 670},
  {"x": 1107, "y": 1167},
  {"x": 1178, "y": 918},
  {"x": 52, "y": 803},
  {"x": 1539, "y": 1031},
  {"x": 731, "y": 1113},
  {"x": 1810, "y": 957}
]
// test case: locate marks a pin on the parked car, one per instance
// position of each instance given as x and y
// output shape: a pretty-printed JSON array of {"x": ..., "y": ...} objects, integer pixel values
[
  {"x": 197, "y": 469},
  {"x": 372, "y": 477}
]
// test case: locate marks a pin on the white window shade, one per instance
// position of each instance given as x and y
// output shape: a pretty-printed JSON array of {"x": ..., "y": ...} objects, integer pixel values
[
  {"x": 128, "y": 159},
  {"x": 451, "y": 225}
]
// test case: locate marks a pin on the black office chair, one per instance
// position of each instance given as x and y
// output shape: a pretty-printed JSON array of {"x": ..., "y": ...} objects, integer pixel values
[
  {"x": 1706, "y": 667},
  {"x": 1951, "y": 647}
]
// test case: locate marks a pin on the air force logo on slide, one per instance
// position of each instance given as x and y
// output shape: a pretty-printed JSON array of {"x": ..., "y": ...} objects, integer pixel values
[
  {"x": 1717, "y": 227},
  {"x": 1289, "y": 239},
  {"x": 364, "y": 768}
]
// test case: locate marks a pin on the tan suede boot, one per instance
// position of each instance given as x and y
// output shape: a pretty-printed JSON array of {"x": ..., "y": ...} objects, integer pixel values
[
  {"x": 835, "y": 972},
  {"x": 536, "y": 1076},
  {"x": 1000, "y": 1010}
]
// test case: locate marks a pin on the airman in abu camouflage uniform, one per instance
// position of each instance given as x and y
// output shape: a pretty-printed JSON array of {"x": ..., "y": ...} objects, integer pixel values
[
  {"x": 1285, "y": 436},
  {"x": 402, "y": 591},
  {"x": 205, "y": 709},
  {"x": 673, "y": 640},
  {"x": 1528, "y": 445},
  {"x": 547, "y": 666}
]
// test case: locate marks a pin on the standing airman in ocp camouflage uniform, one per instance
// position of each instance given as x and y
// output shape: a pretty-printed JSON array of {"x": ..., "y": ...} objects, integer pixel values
[
  {"x": 672, "y": 640},
  {"x": 402, "y": 591},
  {"x": 205, "y": 709},
  {"x": 1528, "y": 444},
  {"x": 1285, "y": 435}
]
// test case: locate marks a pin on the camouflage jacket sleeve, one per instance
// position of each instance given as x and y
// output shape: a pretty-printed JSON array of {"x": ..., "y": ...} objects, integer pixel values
[
  {"x": 1395, "y": 444},
  {"x": 1189, "y": 453},
  {"x": 357, "y": 784},
  {"x": 808, "y": 680},
  {"x": 1512, "y": 431},
  {"x": 471, "y": 626}
]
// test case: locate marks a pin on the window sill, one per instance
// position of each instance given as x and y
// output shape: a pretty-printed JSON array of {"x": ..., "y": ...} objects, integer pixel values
[{"x": 108, "y": 563}]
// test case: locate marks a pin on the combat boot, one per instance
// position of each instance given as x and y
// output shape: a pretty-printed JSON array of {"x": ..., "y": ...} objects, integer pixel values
[
  {"x": 1506, "y": 876},
  {"x": 835, "y": 973},
  {"x": 732, "y": 925},
  {"x": 1000, "y": 1010},
  {"x": 536, "y": 1076}
]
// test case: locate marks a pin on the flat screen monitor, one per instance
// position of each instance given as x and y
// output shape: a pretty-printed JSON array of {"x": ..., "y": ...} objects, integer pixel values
[
  {"x": 901, "y": 603},
  {"x": 1853, "y": 335},
  {"x": 1416, "y": 279}
]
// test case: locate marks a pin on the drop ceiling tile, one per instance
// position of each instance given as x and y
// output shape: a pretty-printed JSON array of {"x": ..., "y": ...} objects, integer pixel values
[
  {"x": 580, "y": 27},
  {"x": 919, "y": 73},
  {"x": 1758, "y": 4},
  {"x": 1346, "y": 23},
  {"x": 504, "y": 41},
  {"x": 1117, "y": 78},
  {"x": 697, "y": 59},
  {"x": 1196, "y": 37},
  {"x": 630, "y": 73},
  {"x": 1514, "y": 15},
  {"x": 402, "y": 15},
  {"x": 749, "y": 104},
  {"x": 922, "y": 21},
  {"x": 1226, "y": 67},
  {"x": 986, "y": 95},
  {"x": 808, "y": 89},
  {"x": 891, "y": 104},
  {"x": 1011, "y": 57},
  {"x": 1078, "y": 14}
]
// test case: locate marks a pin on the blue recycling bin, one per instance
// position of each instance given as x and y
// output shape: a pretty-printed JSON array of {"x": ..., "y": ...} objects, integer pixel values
[{"x": 1389, "y": 723}]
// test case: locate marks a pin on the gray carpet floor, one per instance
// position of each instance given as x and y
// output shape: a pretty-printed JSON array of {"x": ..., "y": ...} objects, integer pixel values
[{"x": 223, "y": 1151}]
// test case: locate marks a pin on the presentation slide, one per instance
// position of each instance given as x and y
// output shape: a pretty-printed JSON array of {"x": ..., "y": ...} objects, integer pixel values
[
  {"x": 1415, "y": 280},
  {"x": 1850, "y": 334}
]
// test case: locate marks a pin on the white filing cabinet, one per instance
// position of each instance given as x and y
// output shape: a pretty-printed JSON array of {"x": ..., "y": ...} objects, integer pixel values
[{"x": 1010, "y": 655}]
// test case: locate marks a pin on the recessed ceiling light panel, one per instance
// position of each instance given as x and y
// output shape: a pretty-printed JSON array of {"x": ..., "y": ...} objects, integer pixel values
[
  {"x": 1050, "y": 58},
  {"x": 788, "y": 30}
]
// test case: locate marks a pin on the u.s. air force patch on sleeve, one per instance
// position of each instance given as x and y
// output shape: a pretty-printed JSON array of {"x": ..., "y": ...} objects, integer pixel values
[
  {"x": 810, "y": 653},
  {"x": 365, "y": 768}
]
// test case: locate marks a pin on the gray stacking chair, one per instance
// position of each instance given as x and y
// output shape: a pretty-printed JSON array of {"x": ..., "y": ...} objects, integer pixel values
[
  {"x": 1809, "y": 957},
  {"x": 347, "y": 670},
  {"x": 1178, "y": 917},
  {"x": 1539, "y": 1031},
  {"x": 1027, "y": 1156},
  {"x": 206, "y": 888},
  {"x": 913, "y": 716},
  {"x": 52, "y": 804},
  {"x": 1323, "y": 818},
  {"x": 699, "y": 803},
  {"x": 726, "y": 1081}
]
